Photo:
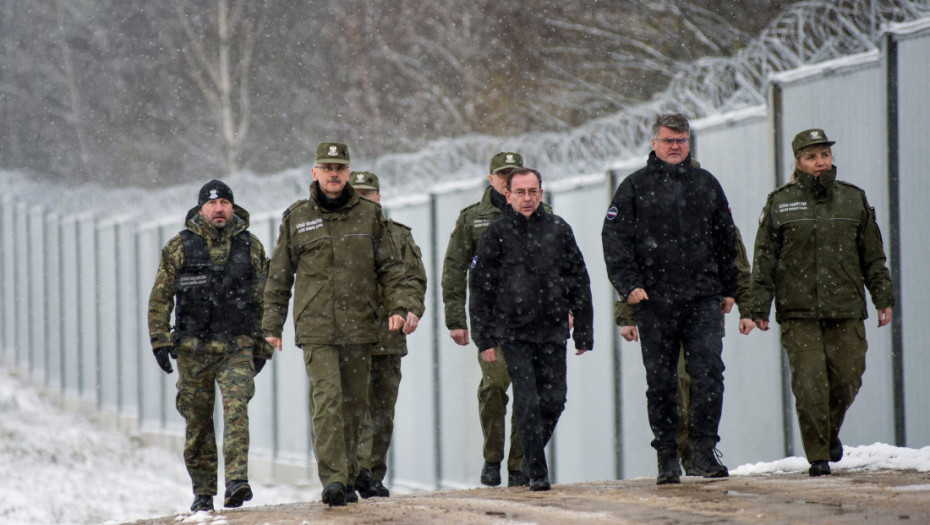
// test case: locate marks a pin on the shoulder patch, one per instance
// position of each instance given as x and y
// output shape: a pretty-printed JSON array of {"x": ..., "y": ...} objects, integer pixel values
[
  {"x": 474, "y": 262},
  {"x": 612, "y": 213}
]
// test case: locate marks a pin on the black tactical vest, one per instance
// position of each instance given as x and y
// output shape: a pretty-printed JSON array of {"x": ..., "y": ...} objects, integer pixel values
[{"x": 214, "y": 301}]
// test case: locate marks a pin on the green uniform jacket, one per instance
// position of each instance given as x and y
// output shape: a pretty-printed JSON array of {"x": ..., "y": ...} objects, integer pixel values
[
  {"x": 623, "y": 311},
  {"x": 395, "y": 343},
  {"x": 463, "y": 241},
  {"x": 161, "y": 300},
  {"x": 817, "y": 244},
  {"x": 335, "y": 261}
]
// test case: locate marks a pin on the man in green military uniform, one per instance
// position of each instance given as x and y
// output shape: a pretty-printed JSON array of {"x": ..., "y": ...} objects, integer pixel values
[
  {"x": 492, "y": 390},
  {"x": 817, "y": 245},
  {"x": 215, "y": 271},
  {"x": 624, "y": 317},
  {"x": 378, "y": 428},
  {"x": 335, "y": 250}
]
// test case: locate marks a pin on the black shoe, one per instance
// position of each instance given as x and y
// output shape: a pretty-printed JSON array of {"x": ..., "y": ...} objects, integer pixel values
[
  {"x": 364, "y": 484},
  {"x": 706, "y": 463},
  {"x": 537, "y": 484},
  {"x": 351, "y": 496},
  {"x": 516, "y": 478},
  {"x": 202, "y": 502},
  {"x": 237, "y": 491},
  {"x": 380, "y": 490},
  {"x": 334, "y": 494},
  {"x": 836, "y": 450},
  {"x": 669, "y": 471},
  {"x": 491, "y": 474},
  {"x": 819, "y": 468}
]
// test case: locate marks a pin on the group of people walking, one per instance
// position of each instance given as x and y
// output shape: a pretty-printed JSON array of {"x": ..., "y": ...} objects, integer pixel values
[{"x": 356, "y": 285}]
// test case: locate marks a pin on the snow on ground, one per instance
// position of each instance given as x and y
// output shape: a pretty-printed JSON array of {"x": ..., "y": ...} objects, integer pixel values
[{"x": 58, "y": 467}]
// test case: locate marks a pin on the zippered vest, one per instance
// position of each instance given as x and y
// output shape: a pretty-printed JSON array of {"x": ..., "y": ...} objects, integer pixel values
[{"x": 214, "y": 301}]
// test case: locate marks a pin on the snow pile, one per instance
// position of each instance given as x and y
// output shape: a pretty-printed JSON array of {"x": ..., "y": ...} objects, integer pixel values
[
  {"x": 58, "y": 467},
  {"x": 867, "y": 457}
]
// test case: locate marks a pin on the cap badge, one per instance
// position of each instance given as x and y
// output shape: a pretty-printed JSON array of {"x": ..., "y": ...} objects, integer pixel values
[
  {"x": 360, "y": 178},
  {"x": 509, "y": 158},
  {"x": 333, "y": 151},
  {"x": 213, "y": 195},
  {"x": 815, "y": 134}
]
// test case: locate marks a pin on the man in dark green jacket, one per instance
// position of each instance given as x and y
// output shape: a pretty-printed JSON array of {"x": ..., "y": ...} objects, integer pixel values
[
  {"x": 334, "y": 248},
  {"x": 492, "y": 390},
  {"x": 817, "y": 245},
  {"x": 378, "y": 428}
]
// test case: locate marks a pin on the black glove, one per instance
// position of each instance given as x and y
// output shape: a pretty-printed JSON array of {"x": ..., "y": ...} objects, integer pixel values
[
  {"x": 161, "y": 355},
  {"x": 259, "y": 364}
]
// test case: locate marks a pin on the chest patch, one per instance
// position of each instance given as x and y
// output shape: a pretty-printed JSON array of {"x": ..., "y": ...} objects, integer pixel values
[
  {"x": 309, "y": 226},
  {"x": 788, "y": 207}
]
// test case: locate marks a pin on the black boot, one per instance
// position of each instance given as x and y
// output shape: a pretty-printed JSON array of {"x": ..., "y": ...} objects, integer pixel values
[
  {"x": 516, "y": 478},
  {"x": 836, "y": 450},
  {"x": 351, "y": 496},
  {"x": 705, "y": 462},
  {"x": 819, "y": 468},
  {"x": 491, "y": 474},
  {"x": 538, "y": 484},
  {"x": 202, "y": 502},
  {"x": 669, "y": 472},
  {"x": 334, "y": 494},
  {"x": 380, "y": 490},
  {"x": 363, "y": 484},
  {"x": 237, "y": 491}
]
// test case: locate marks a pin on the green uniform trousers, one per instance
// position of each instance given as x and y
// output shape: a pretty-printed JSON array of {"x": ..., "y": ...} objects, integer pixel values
[
  {"x": 492, "y": 409},
  {"x": 197, "y": 374},
  {"x": 827, "y": 360},
  {"x": 378, "y": 428},
  {"x": 683, "y": 397},
  {"x": 339, "y": 376}
]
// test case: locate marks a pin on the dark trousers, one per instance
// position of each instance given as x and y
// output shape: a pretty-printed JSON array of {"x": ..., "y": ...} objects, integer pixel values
[
  {"x": 664, "y": 329},
  {"x": 537, "y": 372}
]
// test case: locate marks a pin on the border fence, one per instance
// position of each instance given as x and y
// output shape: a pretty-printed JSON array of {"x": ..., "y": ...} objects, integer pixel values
[{"x": 75, "y": 289}]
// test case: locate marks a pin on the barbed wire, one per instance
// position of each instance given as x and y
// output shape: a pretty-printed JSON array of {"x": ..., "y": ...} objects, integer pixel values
[{"x": 805, "y": 33}]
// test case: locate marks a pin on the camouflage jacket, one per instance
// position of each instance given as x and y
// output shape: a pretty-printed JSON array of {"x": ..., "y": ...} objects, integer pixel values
[
  {"x": 395, "y": 343},
  {"x": 463, "y": 241},
  {"x": 817, "y": 245},
  {"x": 218, "y": 241},
  {"x": 623, "y": 311},
  {"x": 335, "y": 260}
]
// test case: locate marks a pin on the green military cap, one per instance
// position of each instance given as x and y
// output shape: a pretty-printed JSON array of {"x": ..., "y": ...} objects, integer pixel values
[
  {"x": 505, "y": 160},
  {"x": 332, "y": 153},
  {"x": 364, "y": 180},
  {"x": 809, "y": 137}
]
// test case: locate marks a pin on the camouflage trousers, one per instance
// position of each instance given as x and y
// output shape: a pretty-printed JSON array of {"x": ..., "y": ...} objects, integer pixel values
[
  {"x": 492, "y": 409},
  {"x": 339, "y": 377},
  {"x": 378, "y": 428},
  {"x": 827, "y": 360},
  {"x": 198, "y": 372}
]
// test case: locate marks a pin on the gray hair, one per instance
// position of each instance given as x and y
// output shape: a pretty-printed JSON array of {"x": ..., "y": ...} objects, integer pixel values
[{"x": 673, "y": 121}]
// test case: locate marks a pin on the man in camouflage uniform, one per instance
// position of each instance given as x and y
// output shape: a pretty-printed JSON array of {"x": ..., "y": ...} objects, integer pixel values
[
  {"x": 378, "y": 428},
  {"x": 624, "y": 317},
  {"x": 817, "y": 245},
  {"x": 492, "y": 390},
  {"x": 216, "y": 270},
  {"x": 335, "y": 250}
]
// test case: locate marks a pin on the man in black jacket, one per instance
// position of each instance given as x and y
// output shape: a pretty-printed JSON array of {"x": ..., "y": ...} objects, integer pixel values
[
  {"x": 527, "y": 278},
  {"x": 669, "y": 245}
]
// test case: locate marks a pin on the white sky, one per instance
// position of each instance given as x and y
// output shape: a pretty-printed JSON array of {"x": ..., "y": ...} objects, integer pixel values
[{"x": 59, "y": 467}]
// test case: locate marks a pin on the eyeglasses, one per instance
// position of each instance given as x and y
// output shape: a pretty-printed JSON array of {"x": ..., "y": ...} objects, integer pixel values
[
  {"x": 669, "y": 142},
  {"x": 332, "y": 167},
  {"x": 532, "y": 192}
]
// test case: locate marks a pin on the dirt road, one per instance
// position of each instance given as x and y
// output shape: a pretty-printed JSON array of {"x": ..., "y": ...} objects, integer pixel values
[{"x": 845, "y": 497}]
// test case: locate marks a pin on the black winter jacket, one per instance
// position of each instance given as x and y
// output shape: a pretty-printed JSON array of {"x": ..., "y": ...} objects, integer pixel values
[
  {"x": 669, "y": 231},
  {"x": 527, "y": 275}
]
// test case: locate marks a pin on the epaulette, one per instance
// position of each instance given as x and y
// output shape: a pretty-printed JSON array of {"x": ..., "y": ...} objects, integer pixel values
[
  {"x": 851, "y": 185},
  {"x": 470, "y": 206},
  {"x": 783, "y": 186},
  {"x": 404, "y": 226},
  {"x": 292, "y": 206}
]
